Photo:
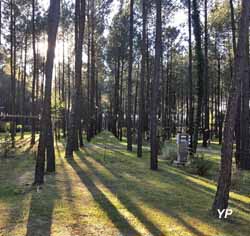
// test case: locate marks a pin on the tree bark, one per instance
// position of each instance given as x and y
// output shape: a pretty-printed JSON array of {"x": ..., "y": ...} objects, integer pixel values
[
  {"x": 75, "y": 119},
  {"x": 53, "y": 21},
  {"x": 51, "y": 163},
  {"x": 24, "y": 83},
  {"x": 155, "y": 89},
  {"x": 190, "y": 76},
  {"x": 142, "y": 80},
  {"x": 92, "y": 107},
  {"x": 13, "y": 71},
  {"x": 206, "y": 131},
  {"x": 200, "y": 66},
  {"x": 33, "y": 121},
  {"x": 244, "y": 159},
  {"x": 130, "y": 70}
]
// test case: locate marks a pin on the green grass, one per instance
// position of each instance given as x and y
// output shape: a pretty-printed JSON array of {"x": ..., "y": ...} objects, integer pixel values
[{"x": 108, "y": 191}]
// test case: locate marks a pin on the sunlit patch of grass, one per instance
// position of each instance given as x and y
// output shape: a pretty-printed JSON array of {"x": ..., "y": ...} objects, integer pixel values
[
  {"x": 106, "y": 190},
  {"x": 193, "y": 195}
]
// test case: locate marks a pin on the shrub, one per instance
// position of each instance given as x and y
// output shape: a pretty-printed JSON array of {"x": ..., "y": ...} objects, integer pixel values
[
  {"x": 168, "y": 152},
  {"x": 199, "y": 166}
]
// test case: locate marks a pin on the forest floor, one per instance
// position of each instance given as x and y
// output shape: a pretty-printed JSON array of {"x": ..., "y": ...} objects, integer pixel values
[{"x": 107, "y": 191}]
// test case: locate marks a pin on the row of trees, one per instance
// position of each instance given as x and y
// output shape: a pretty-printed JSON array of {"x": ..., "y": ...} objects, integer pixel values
[
  {"x": 177, "y": 96},
  {"x": 147, "y": 79},
  {"x": 210, "y": 66}
]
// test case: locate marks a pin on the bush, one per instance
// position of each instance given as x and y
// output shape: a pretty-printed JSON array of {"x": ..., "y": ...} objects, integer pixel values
[
  {"x": 199, "y": 166},
  {"x": 168, "y": 153}
]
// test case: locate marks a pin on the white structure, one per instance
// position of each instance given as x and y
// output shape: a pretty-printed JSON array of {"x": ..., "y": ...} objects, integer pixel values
[{"x": 182, "y": 141}]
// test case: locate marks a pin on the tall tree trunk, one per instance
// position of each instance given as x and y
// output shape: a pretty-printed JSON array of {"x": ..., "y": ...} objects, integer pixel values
[
  {"x": 218, "y": 105},
  {"x": 63, "y": 91},
  {"x": 190, "y": 77},
  {"x": 24, "y": 84},
  {"x": 241, "y": 63},
  {"x": 33, "y": 121},
  {"x": 43, "y": 81},
  {"x": 51, "y": 163},
  {"x": 206, "y": 131},
  {"x": 75, "y": 119},
  {"x": 53, "y": 21},
  {"x": 244, "y": 121},
  {"x": 155, "y": 89},
  {"x": 142, "y": 80},
  {"x": 233, "y": 26},
  {"x": 68, "y": 97},
  {"x": 163, "y": 103},
  {"x": 92, "y": 74},
  {"x": 13, "y": 71},
  {"x": 121, "y": 111},
  {"x": 116, "y": 97},
  {"x": 130, "y": 70},
  {"x": 237, "y": 125},
  {"x": 148, "y": 89},
  {"x": 200, "y": 66},
  {"x": 135, "y": 104},
  {"x": 55, "y": 100},
  {"x": 96, "y": 101},
  {"x": 88, "y": 72}
]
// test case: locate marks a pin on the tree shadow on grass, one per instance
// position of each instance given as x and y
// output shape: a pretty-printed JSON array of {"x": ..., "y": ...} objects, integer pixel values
[
  {"x": 133, "y": 208},
  {"x": 15, "y": 211},
  {"x": 41, "y": 209},
  {"x": 68, "y": 183},
  {"x": 205, "y": 194},
  {"x": 118, "y": 220},
  {"x": 23, "y": 142},
  {"x": 177, "y": 174}
]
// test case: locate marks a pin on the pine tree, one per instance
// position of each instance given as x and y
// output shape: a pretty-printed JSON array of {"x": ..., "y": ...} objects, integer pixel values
[
  {"x": 154, "y": 145},
  {"x": 53, "y": 22}
]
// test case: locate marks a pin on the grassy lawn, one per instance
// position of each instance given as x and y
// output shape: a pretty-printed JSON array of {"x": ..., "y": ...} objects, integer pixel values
[{"x": 107, "y": 191}]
